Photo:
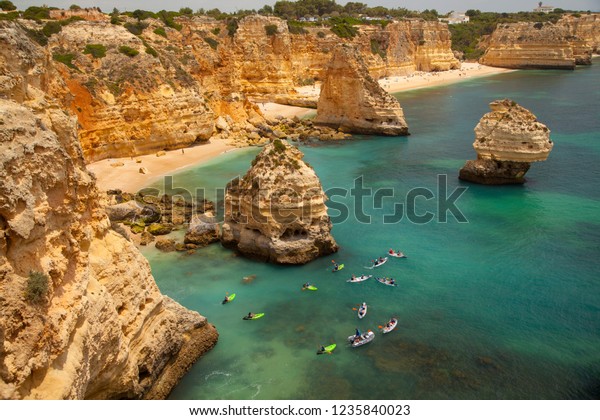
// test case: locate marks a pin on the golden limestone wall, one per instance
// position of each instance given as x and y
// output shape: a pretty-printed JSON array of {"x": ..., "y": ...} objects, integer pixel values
[
  {"x": 526, "y": 45},
  {"x": 102, "y": 329},
  {"x": 170, "y": 94},
  {"x": 586, "y": 27}
]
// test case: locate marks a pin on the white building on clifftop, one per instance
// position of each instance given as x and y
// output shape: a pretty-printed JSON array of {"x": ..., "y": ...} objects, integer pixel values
[
  {"x": 544, "y": 9},
  {"x": 454, "y": 18}
]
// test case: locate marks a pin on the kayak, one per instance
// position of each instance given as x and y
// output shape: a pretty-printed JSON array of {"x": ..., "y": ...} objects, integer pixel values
[
  {"x": 386, "y": 281},
  {"x": 339, "y": 267},
  {"x": 363, "y": 339},
  {"x": 362, "y": 311},
  {"x": 392, "y": 324},
  {"x": 228, "y": 298},
  {"x": 311, "y": 287},
  {"x": 396, "y": 254},
  {"x": 328, "y": 349},
  {"x": 358, "y": 279},
  {"x": 378, "y": 263},
  {"x": 256, "y": 316}
]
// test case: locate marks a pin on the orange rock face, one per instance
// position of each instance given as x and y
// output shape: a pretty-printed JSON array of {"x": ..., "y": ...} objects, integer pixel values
[{"x": 352, "y": 101}]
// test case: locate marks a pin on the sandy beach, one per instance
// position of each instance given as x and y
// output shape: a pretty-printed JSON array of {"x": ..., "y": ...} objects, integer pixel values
[
  {"x": 421, "y": 80},
  {"x": 127, "y": 177},
  {"x": 417, "y": 80},
  {"x": 124, "y": 173}
]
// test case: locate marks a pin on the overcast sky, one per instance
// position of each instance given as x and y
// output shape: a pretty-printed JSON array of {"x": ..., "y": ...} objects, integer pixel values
[{"x": 441, "y": 6}]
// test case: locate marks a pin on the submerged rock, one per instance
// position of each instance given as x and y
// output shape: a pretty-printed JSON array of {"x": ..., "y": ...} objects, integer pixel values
[
  {"x": 277, "y": 211},
  {"x": 507, "y": 140},
  {"x": 202, "y": 231},
  {"x": 351, "y": 100}
]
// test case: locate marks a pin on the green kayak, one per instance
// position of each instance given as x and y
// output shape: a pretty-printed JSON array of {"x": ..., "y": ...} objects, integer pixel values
[
  {"x": 256, "y": 316},
  {"x": 228, "y": 298},
  {"x": 339, "y": 267},
  {"x": 327, "y": 349}
]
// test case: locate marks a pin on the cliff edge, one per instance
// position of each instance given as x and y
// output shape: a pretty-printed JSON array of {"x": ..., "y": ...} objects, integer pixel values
[{"x": 80, "y": 313}]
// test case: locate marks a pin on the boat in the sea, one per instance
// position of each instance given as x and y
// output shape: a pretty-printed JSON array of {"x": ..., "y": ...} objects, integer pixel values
[
  {"x": 378, "y": 262},
  {"x": 358, "y": 340},
  {"x": 390, "y": 325},
  {"x": 396, "y": 254},
  {"x": 358, "y": 279},
  {"x": 386, "y": 280}
]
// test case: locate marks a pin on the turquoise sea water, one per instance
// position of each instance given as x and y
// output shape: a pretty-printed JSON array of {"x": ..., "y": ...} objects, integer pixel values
[{"x": 506, "y": 306}]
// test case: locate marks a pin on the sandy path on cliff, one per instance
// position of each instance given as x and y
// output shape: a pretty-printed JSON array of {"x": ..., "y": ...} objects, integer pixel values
[
  {"x": 124, "y": 173},
  {"x": 393, "y": 84}
]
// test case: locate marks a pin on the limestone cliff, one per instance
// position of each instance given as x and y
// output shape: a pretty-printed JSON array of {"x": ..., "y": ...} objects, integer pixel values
[
  {"x": 354, "y": 102},
  {"x": 166, "y": 88},
  {"x": 277, "y": 211},
  {"x": 507, "y": 140},
  {"x": 584, "y": 27},
  {"x": 528, "y": 45},
  {"x": 404, "y": 47},
  {"x": 80, "y": 313}
]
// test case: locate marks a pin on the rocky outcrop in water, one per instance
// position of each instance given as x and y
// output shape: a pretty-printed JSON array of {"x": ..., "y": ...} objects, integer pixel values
[
  {"x": 277, "y": 211},
  {"x": 529, "y": 45},
  {"x": 507, "y": 140},
  {"x": 352, "y": 101}
]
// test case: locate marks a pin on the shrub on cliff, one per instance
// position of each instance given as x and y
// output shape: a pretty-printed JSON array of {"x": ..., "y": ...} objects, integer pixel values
[
  {"x": 212, "y": 42},
  {"x": 37, "y": 36},
  {"x": 151, "y": 51},
  {"x": 136, "y": 28},
  {"x": 37, "y": 287},
  {"x": 36, "y": 13},
  {"x": 271, "y": 30},
  {"x": 9, "y": 16},
  {"x": 66, "y": 59},
  {"x": 376, "y": 48},
  {"x": 232, "y": 26},
  {"x": 128, "y": 51},
  {"x": 344, "y": 30},
  {"x": 168, "y": 19},
  {"x": 296, "y": 28},
  {"x": 96, "y": 50},
  {"x": 7, "y": 5},
  {"x": 161, "y": 31}
]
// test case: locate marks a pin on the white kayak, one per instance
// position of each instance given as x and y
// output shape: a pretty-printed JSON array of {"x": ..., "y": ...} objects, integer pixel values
[
  {"x": 362, "y": 339},
  {"x": 386, "y": 281},
  {"x": 396, "y": 254},
  {"x": 378, "y": 262},
  {"x": 362, "y": 310},
  {"x": 391, "y": 324},
  {"x": 358, "y": 279}
]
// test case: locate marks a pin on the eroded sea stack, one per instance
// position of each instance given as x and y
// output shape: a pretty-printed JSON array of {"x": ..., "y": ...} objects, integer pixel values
[
  {"x": 277, "y": 211},
  {"x": 507, "y": 140},
  {"x": 352, "y": 101}
]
